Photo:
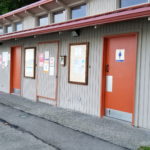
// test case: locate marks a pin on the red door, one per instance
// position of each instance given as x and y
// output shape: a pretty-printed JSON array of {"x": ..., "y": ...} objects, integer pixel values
[
  {"x": 15, "y": 86},
  {"x": 120, "y": 71}
]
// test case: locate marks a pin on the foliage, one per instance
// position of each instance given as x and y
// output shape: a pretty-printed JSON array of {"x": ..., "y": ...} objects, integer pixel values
[
  {"x": 9, "y": 5},
  {"x": 144, "y": 148}
]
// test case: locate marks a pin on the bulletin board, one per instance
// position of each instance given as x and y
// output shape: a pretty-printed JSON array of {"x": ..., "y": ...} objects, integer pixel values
[
  {"x": 78, "y": 63},
  {"x": 29, "y": 62}
]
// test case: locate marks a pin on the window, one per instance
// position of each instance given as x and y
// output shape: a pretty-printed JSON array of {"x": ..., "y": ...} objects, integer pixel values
[
  {"x": 59, "y": 17},
  {"x": 29, "y": 57},
  {"x": 1, "y": 30},
  {"x": 18, "y": 26},
  {"x": 78, "y": 12},
  {"x": 127, "y": 3},
  {"x": 43, "y": 20},
  {"x": 78, "y": 63},
  {"x": 9, "y": 29}
]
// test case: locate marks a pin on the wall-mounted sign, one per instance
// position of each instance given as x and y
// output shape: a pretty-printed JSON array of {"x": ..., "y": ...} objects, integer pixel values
[
  {"x": 120, "y": 55},
  {"x": 52, "y": 66},
  {"x": 109, "y": 83},
  {"x": 29, "y": 58},
  {"x": 5, "y": 58},
  {"x": 41, "y": 59},
  {"x": 78, "y": 63},
  {"x": 52, "y": 71},
  {"x": 46, "y": 66},
  {"x": 46, "y": 61},
  {"x": 46, "y": 55},
  {"x": 0, "y": 59},
  {"x": 52, "y": 61}
]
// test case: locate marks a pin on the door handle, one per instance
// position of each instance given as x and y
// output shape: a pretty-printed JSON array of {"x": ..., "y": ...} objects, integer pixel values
[{"x": 107, "y": 68}]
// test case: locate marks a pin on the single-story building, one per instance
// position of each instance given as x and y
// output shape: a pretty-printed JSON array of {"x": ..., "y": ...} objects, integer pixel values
[{"x": 90, "y": 56}]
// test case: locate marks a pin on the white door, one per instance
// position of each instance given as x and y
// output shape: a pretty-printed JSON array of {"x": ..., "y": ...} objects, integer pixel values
[{"x": 47, "y": 70}]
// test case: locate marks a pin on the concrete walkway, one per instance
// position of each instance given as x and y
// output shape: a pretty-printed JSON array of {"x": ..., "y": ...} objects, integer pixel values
[{"x": 114, "y": 131}]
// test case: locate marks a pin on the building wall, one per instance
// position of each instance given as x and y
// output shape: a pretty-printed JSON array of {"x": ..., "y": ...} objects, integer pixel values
[
  {"x": 101, "y": 6},
  {"x": 93, "y": 7},
  {"x": 4, "y": 72},
  {"x": 143, "y": 96},
  {"x": 86, "y": 99},
  {"x": 29, "y": 22}
]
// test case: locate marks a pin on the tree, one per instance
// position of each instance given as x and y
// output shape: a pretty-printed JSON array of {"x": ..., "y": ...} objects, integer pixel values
[{"x": 9, "y": 5}]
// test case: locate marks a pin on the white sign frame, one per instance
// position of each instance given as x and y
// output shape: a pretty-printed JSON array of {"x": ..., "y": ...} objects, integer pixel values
[
  {"x": 29, "y": 62},
  {"x": 120, "y": 55}
]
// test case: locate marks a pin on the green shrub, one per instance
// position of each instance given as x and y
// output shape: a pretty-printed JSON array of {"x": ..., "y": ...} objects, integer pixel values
[{"x": 144, "y": 148}]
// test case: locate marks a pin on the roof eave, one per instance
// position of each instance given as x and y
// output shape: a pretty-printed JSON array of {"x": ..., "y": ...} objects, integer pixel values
[
  {"x": 111, "y": 17},
  {"x": 25, "y": 8}
]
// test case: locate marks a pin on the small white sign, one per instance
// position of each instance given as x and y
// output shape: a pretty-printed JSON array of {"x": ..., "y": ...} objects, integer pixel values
[
  {"x": 9, "y": 56},
  {"x": 52, "y": 71},
  {"x": 46, "y": 55},
  {"x": 109, "y": 83},
  {"x": 0, "y": 59},
  {"x": 5, "y": 58},
  {"x": 41, "y": 60},
  {"x": 46, "y": 66},
  {"x": 120, "y": 55},
  {"x": 52, "y": 61}
]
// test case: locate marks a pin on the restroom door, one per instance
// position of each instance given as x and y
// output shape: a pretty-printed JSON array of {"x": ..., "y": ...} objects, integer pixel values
[
  {"x": 120, "y": 74},
  {"x": 15, "y": 75},
  {"x": 47, "y": 74}
]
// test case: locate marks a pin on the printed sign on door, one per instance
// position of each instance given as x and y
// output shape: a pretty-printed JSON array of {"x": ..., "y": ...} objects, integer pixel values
[
  {"x": 46, "y": 66},
  {"x": 120, "y": 55},
  {"x": 52, "y": 66},
  {"x": 41, "y": 60}
]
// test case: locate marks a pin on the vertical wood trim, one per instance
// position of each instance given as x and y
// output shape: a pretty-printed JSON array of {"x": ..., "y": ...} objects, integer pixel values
[
  {"x": 138, "y": 76},
  {"x": 103, "y": 79}
]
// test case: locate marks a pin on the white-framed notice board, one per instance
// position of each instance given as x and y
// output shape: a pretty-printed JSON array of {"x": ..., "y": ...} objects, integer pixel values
[{"x": 29, "y": 62}]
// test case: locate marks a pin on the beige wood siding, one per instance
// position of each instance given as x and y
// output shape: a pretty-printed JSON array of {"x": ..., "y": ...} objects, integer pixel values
[
  {"x": 93, "y": 7},
  {"x": 29, "y": 22},
  {"x": 143, "y": 92},
  {"x": 101, "y": 6},
  {"x": 87, "y": 98},
  {"x": 4, "y": 72}
]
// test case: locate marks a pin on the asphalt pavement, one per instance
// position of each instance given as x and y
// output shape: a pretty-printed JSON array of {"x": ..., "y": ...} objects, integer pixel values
[
  {"x": 23, "y": 131},
  {"x": 13, "y": 139},
  {"x": 52, "y": 125}
]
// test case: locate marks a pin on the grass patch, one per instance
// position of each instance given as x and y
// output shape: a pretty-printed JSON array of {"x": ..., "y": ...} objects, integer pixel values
[{"x": 144, "y": 148}]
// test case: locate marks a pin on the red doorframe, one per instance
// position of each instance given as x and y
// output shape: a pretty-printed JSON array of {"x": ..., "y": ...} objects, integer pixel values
[
  {"x": 103, "y": 73},
  {"x": 11, "y": 73}
]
